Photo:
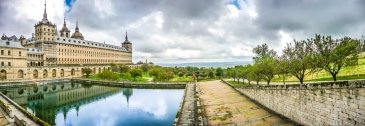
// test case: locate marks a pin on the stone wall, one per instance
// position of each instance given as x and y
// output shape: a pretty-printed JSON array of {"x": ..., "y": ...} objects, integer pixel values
[{"x": 329, "y": 103}]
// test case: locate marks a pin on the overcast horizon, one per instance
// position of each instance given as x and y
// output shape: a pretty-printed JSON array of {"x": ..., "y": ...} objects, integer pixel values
[{"x": 165, "y": 31}]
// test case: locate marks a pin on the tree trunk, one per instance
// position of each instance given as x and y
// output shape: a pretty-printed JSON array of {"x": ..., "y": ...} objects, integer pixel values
[
  {"x": 284, "y": 79},
  {"x": 234, "y": 79},
  {"x": 301, "y": 81},
  {"x": 249, "y": 82},
  {"x": 238, "y": 80},
  {"x": 257, "y": 83},
  {"x": 334, "y": 76}
]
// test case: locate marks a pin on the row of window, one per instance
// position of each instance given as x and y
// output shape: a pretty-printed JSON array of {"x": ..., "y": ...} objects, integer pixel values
[
  {"x": 90, "y": 43},
  {"x": 3, "y": 63},
  {"x": 52, "y": 34},
  {"x": 44, "y": 29},
  {"x": 44, "y": 38},
  {"x": 35, "y": 64},
  {"x": 34, "y": 56},
  {"x": 94, "y": 52},
  {"x": 2, "y": 52},
  {"x": 89, "y": 60}
]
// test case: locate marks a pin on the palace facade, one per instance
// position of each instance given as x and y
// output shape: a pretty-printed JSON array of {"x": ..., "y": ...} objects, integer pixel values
[{"x": 50, "y": 53}]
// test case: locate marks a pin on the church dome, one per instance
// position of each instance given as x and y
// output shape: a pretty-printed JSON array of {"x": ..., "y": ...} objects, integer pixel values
[{"x": 77, "y": 34}]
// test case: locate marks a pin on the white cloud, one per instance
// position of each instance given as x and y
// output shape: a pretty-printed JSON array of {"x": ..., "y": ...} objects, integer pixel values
[
  {"x": 105, "y": 8},
  {"x": 191, "y": 30}
]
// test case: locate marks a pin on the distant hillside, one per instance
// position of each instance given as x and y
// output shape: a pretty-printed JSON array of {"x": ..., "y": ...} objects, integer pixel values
[{"x": 205, "y": 64}]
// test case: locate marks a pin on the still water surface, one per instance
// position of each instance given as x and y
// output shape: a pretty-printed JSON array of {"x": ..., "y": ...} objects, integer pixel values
[{"x": 92, "y": 105}]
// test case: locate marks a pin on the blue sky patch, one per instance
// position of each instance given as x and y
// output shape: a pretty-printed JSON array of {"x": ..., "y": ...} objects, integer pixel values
[
  {"x": 69, "y": 4},
  {"x": 236, "y": 3}
]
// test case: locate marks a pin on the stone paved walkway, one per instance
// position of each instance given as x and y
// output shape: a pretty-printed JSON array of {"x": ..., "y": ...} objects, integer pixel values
[
  {"x": 225, "y": 106},
  {"x": 187, "y": 116},
  {"x": 3, "y": 120},
  {"x": 18, "y": 113}
]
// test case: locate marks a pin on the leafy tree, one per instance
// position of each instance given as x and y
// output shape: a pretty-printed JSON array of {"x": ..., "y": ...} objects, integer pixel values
[
  {"x": 126, "y": 76},
  {"x": 332, "y": 55},
  {"x": 108, "y": 75},
  {"x": 301, "y": 58},
  {"x": 180, "y": 74},
  {"x": 169, "y": 75},
  {"x": 254, "y": 74},
  {"x": 145, "y": 67},
  {"x": 136, "y": 73},
  {"x": 161, "y": 74},
  {"x": 219, "y": 72},
  {"x": 114, "y": 67},
  {"x": 140, "y": 62},
  {"x": 244, "y": 72},
  {"x": 267, "y": 68},
  {"x": 86, "y": 71},
  {"x": 232, "y": 72},
  {"x": 124, "y": 69},
  {"x": 265, "y": 61},
  {"x": 283, "y": 68},
  {"x": 211, "y": 74},
  {"x": 263, "y": 51}
]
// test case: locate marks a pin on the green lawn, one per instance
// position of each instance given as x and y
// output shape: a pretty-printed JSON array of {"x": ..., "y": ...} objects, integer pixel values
[{"x": 183, "y": 78}]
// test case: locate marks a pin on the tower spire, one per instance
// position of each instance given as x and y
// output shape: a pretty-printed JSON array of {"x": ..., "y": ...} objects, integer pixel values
[
  {"x": 45, "y": 11},
  {"x": 126, "y": 36},
  {"x": 77, "y": 26},
  {"x": 64, "y": 21}
]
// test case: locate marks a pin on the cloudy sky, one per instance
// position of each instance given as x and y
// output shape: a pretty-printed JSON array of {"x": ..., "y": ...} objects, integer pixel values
[{"x": 191, "y": 30}]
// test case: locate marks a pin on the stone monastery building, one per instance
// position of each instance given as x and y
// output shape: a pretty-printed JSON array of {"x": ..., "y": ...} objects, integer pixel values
[{"x": 57, "y": 54}]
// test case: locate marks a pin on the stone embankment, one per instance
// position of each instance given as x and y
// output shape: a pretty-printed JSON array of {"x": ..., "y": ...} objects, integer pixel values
[
  {"x": 16, "y": 115},
  {"x": 327, "y": 103}
]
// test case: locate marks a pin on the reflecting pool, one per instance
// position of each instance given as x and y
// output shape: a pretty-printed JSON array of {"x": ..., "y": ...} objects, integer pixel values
[{"x": 92, "y": 105}]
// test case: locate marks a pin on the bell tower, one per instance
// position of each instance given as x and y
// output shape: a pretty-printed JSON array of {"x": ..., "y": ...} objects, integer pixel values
[
  {"x": 127, "y": 44},
  {"x": 65, "y": 32},
  {"x": 45, "y": 30}
]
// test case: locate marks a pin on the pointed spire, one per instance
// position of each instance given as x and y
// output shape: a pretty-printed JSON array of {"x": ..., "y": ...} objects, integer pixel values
[
  {"x": 126, "y": 36},
  {"x": 45, "y": 11},
  {"x": 64, "y": 21},
  {"x": 56, "y": 31},
  {"x": 77, "y": 26}
]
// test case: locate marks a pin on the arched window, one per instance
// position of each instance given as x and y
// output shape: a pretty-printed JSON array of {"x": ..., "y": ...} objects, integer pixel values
[
  {"x": 45, "y": 73},
  {"x": 3, "y": 75},
  {"x": 20, "y": 74},
  {"x": 62, "y": 73},
  {"x": 35, "y": 74},
  {"x": 54, "y": 74}
]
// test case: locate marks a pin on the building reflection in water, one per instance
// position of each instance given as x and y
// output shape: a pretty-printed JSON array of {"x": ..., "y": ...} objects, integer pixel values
[
  {"x": 45, "y": 101},
  {"x": 127, "y": 92}
]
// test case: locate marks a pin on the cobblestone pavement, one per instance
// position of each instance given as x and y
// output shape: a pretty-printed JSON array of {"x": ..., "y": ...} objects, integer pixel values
[{"x": 225, "y": 106}]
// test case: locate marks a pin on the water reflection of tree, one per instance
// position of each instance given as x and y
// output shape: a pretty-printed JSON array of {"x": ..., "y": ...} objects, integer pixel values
[{"x": 86, "y": 85}]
